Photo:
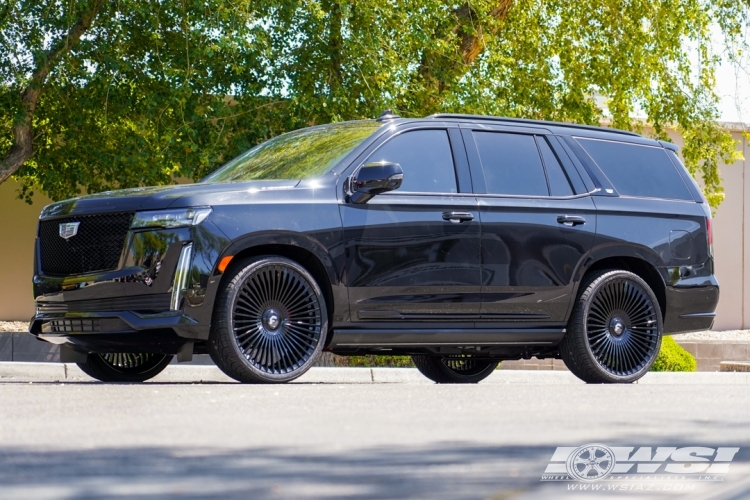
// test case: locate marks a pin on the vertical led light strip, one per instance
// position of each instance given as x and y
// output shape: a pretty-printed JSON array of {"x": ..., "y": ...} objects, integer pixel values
[{"x": 181, "y": 275}]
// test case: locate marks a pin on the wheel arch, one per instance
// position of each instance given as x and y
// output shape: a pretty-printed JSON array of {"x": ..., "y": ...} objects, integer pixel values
[
  {"x": 299, "y": 248},
  {"x": 638, "y": 266}
]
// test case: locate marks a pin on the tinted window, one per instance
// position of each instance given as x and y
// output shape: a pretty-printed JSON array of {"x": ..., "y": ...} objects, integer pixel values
[
  {"x": 511, "y": 164},
  {"x": 559, "y": 185},
  {"x": 637, "y": 170},
  {"x": 426, "y": 158}
]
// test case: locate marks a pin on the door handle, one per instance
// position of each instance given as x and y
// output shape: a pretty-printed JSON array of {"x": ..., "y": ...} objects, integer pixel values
[
  {"x": 458, "y": 217},
  {"x": 571, "y": 220}
]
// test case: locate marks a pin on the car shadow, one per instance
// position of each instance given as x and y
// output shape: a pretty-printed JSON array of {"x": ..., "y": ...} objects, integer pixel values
[{"x": 445, "y": 470}]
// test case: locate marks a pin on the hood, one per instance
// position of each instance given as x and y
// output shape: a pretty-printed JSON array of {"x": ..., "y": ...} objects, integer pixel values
[{"x": 157, "y": 198}]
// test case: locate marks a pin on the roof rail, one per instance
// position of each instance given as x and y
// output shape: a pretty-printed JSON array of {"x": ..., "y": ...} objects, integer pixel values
[{"x": 532, "y": 122}]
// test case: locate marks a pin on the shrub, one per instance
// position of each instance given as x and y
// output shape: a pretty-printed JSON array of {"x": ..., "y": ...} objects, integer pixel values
[
  {"x": 673, "y": 358},
  {"x": 371, "y": 361}
]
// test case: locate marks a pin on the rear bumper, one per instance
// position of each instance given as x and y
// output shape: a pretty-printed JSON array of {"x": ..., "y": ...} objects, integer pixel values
[{"x": 691, "y": 308}]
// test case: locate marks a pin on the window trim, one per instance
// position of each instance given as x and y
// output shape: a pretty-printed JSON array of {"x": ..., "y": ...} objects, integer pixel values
[{"x": 538, "y": 139}]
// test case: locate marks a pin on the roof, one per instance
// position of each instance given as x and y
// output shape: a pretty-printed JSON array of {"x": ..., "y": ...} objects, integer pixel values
[{"x": 522, "y": 121}]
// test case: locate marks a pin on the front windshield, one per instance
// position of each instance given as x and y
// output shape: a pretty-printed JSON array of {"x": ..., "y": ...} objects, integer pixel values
[{"x": 302, "y": 154}]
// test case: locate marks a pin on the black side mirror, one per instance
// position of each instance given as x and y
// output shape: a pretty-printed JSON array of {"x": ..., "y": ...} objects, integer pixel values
[{"x": 373, "y": 179}]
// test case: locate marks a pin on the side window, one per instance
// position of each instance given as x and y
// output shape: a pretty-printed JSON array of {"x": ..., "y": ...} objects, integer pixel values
[
  {"x": 636, "y": 170},
  {"x": 426, "y": 158},
  {"x": 559, "y": 184},
  {"x": 511, "y": 164}
]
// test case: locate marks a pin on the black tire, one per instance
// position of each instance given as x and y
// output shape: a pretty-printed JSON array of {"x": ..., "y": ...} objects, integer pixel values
[
  {"x": 459, "y": 369},
  {"x": 124, "y": 367},
  {"x": 615, "y": 331},
  {"x": 270, "y": 321}
]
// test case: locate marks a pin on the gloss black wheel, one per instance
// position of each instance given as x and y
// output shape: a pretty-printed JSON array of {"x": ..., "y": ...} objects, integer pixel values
[
  {"x": 615, "y": 331},
  {"x": 124, "y": 367},
  {"x": 270, "y": 321},
  {"x": 455, "y": 369}
]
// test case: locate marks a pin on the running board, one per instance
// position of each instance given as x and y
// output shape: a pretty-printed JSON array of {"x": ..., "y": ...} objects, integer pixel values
[{"x": 356, "y": 337}]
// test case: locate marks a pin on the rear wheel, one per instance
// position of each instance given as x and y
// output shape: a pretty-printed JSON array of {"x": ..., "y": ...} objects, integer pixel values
[
  {"x": 614, "y": 333},
  {"x": 124, "y": 367},
  {"x": 270, "y": 321},
  {"x": 457, "y": 369}
]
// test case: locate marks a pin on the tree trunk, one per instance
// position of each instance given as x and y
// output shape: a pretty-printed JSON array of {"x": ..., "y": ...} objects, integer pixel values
[
  {"x": 22, "y": 147},
  {"x": 335, "y": 46},
  {"x": 437, "y": 72}
]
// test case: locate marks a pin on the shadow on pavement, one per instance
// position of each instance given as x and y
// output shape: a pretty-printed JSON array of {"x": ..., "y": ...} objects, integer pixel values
[{"x": 451, "y": 470}]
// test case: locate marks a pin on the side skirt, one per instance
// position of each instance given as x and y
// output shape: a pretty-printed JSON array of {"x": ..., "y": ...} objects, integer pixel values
[{"x": 382, "y": 338}]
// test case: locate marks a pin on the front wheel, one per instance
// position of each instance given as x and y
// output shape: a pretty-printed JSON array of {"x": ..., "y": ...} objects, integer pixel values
[
  {"x": 124, "y": 367},
  {"x": 458, "y": 369},
  {"x": 615, "y": 331},
  {"x": 270, "y": 321}
]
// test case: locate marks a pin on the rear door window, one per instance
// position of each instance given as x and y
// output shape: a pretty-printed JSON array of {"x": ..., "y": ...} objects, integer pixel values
[
  {"x": 511, "y": 164},
  {"x": 559, "y": 184},
  {"x": 426, "y": 159},
  {"x": 636, "y": 170}
]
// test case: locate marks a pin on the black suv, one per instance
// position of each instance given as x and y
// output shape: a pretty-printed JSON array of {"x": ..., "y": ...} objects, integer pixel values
[{"x": 458, "y": 240}]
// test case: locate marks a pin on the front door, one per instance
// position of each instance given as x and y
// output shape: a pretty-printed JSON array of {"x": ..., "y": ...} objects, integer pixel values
[
  {"x": 535, "y": 228},
  {"x": 413, "y": 254}
]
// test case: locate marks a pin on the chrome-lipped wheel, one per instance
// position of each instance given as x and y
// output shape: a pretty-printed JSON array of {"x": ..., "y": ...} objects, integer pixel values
[
  {"x": 274, "y": 322},
  {"x": 622, "y": 327}
]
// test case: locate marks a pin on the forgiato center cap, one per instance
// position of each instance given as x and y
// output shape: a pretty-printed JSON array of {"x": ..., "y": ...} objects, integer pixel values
[{"x": 271, "y": 319}]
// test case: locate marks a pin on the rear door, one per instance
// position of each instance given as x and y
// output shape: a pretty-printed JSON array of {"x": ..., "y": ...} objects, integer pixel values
[{"x": 538, "y": 223}]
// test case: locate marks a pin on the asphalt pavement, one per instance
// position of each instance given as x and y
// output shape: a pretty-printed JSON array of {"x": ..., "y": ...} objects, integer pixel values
[{"x": 359, "y": 433}]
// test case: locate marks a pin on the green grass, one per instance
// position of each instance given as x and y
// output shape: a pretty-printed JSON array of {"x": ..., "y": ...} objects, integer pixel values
[{"x": 370, "y": 361}]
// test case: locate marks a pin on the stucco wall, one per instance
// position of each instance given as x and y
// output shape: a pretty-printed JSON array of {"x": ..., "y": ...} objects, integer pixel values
[
  {"x": 731, "y": 245},
  {"x": 18, "y": 223}
]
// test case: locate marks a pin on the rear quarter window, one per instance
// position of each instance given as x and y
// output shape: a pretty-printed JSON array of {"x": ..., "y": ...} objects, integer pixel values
[{"x": 636, "y": 170}]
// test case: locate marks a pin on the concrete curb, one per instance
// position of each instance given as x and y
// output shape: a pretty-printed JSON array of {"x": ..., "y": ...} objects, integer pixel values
[{"x": 195, "y": 374}]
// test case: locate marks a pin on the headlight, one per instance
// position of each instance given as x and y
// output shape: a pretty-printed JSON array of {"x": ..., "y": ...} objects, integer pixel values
[{"x": 171, "y": 218}]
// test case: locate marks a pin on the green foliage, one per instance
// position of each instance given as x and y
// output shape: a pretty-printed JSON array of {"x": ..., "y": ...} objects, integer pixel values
[
  {"x": 673, "y": 358},
  {"x": 370, "y": 361},
  {"x": 162, "y": 89}
]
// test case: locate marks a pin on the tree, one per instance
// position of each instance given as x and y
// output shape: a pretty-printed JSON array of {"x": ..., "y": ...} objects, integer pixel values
[{"x": 151, "y": 90}]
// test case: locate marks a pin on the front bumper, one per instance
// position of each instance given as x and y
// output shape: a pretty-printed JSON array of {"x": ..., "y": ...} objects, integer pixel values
[{"x": 160, "y": 296}]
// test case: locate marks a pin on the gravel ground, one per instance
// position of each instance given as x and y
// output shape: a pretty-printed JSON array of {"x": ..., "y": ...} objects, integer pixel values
[{"x": 14, "y": 326}]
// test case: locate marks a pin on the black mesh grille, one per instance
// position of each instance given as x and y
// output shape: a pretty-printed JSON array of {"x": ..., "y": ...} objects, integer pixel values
[
  {"x": 97, "y": 246},
  {"x": 85, "y": 325},
  {"x": 146, "y": 303}
]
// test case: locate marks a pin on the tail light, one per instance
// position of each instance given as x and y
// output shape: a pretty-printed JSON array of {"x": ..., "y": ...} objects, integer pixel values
[{"x": 710, "y": 236}]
